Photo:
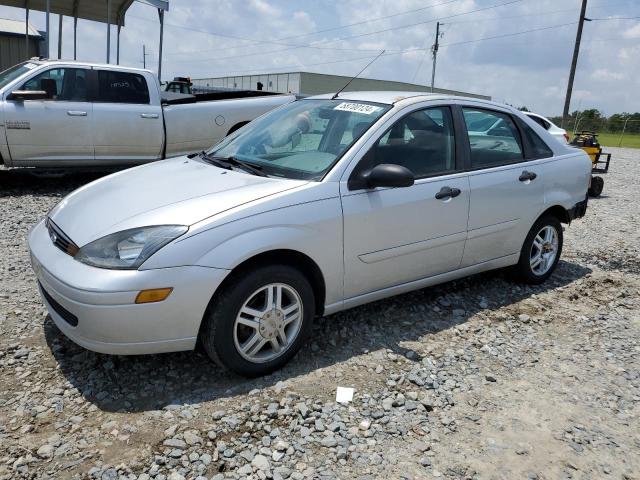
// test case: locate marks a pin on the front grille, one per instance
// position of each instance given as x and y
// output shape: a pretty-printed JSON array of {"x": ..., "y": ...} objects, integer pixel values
[
  {"x": 60, "y": 239},
  {"x": 68, "y": 317}
]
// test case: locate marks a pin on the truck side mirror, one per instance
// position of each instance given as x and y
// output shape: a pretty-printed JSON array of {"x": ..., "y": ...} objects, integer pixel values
[{"x": 21, "y": 95}]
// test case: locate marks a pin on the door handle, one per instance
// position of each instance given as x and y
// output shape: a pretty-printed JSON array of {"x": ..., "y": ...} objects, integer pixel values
[
  {"x": 527, "y": 176},
  {"x": 149, "y": 115},
  {"x": 447, "y": 192},
  {"x": 76, "y": 113}
]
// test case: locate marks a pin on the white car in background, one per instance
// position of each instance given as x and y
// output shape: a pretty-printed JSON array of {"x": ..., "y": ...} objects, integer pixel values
[{"x": 557, "y": 132}]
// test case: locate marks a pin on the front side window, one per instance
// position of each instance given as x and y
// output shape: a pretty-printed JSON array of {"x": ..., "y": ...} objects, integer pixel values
[
  {"x": 61, "y": 84},
  {"x": 422, "y": 141},
  {"x": 493, "y": 138},
  {"x": 303, "y": 139},
  {"x": 122, "y": 87}
]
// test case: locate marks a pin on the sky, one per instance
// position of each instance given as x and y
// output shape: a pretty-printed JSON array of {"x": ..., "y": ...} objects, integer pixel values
[{"x": 213, "y": 38}]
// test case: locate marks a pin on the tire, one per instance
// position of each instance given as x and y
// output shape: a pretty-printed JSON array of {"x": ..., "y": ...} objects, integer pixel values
[
  {"x": 526, "y": 271},
  {"x": 597, "y": 184},
  {"x": 226, "y": 331}
]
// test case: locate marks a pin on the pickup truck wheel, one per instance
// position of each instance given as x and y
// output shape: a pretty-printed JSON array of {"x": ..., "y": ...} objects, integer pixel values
[
  {"x": 259, "y": 321},
  {"x": 541, "y": 251}
]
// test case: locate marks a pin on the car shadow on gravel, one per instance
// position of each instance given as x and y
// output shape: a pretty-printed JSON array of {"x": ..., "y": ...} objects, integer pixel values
[
  {"x": 151, "y": 382},
  {"x": 58, "y": 182}
]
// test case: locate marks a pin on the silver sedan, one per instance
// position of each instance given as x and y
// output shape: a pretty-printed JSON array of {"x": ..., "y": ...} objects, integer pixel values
[{"x": 319, "y": 206}]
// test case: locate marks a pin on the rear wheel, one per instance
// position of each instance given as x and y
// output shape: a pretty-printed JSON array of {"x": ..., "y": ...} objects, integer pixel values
[
  {"x": 259, "y": 320},
  {"x": 541, "y": 251},
  {"x": 597, "y": 184}
]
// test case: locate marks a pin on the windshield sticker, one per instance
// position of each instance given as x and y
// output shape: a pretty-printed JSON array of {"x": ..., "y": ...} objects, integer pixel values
[
  {"x": 30, "y": 66},
  {"x": 357, "y": 108}
]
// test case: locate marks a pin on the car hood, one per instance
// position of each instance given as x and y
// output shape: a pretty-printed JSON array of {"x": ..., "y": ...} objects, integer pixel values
[{"x": 179, "y": 191}]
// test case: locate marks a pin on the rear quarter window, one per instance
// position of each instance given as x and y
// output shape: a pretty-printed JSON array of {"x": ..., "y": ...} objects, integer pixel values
[{"x": 535, "y": 146}]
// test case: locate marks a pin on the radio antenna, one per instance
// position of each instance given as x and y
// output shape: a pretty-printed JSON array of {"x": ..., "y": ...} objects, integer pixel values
[{"x": 353, "y": 78}]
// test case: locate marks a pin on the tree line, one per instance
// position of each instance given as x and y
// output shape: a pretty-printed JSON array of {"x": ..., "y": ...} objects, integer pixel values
[{"x": 593, "y": 119}]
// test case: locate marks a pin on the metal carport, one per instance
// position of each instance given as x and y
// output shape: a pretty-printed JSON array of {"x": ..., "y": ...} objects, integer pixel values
[{"x": 111, "y": 12}]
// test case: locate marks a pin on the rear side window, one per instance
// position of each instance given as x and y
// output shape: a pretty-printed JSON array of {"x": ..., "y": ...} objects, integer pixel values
[
  {"x": 536, "y": 147},
  {"x": 493, "y": 138},
  {"x": 122, "y": 87}
]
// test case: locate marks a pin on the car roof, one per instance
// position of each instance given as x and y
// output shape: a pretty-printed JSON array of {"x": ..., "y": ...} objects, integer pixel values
[
  {"x": 388, "y": 97},
  {"x": 405, "y": 98}
]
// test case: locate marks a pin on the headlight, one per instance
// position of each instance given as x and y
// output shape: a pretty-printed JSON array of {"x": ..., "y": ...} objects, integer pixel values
[{"x": 127, "y": 250}]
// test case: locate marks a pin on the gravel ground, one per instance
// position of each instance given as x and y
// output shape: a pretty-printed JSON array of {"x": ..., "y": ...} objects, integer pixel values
[{"x": 474, "y": 379}]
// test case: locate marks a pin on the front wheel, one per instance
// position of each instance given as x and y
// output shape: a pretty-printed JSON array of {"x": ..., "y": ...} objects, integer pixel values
[
  {"x": 541, "y": 251},
  {"x": 259, "y": 320}
]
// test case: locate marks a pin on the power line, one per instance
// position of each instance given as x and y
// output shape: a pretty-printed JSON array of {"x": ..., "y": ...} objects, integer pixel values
[
  {"x": 613, "y": 18},
  {"x": 277, "y": 41},
  {"x": 507, "y": 34},
  {"x": 399, "y": 52},
  {"x": 386, "y": 17},
  {"x": 350, "y": 36}
]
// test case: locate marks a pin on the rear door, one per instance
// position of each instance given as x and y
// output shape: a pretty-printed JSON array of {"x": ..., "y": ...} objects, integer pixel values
[
  {"x": 127, "y": 120},
  {"x": 507, "y": 185},
  {"x": 55, "y": 129}
]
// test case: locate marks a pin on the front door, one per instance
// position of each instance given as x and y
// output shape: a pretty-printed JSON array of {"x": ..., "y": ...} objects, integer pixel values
[
  {"x": 58, "y": 128},
  {"x": 398, "y": 235},
  {"x": 127, "y": 127}
]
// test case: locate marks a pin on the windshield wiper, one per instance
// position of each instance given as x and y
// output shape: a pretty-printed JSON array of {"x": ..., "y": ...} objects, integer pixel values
[
  {"x": 229, "y": 162},
  {"x": 214, "y": 161},
  {"x": 249, "y": 167}
]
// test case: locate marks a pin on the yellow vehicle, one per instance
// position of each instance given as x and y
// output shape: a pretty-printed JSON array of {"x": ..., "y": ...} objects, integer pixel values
[{"x": 588, "y": 141}]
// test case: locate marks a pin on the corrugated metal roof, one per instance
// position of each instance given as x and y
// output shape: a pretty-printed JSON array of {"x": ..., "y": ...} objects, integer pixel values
[
  {"x": 16, "y": 27},
  {"x": 85, "y": 9}
]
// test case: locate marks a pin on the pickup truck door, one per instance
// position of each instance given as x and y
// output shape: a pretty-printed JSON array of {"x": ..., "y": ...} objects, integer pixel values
[
  {"x": 54, "y": 129},
  {"x": 127, "y": 120},
  {"x": 397, "y": 235}
]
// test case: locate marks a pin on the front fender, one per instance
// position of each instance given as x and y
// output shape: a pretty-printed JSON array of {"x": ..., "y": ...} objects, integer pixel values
[{"x": 313, "y": 229}]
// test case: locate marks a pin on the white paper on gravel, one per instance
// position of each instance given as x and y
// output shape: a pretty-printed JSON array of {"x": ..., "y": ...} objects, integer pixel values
[{"x": 344, "y": 394}]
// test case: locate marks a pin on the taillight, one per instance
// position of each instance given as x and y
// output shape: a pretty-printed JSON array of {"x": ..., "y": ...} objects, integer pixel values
[{"x": 566, "y": 137}]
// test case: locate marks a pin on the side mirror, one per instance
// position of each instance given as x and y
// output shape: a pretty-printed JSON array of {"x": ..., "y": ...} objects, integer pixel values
[
  {"x": 28, "y": 95},
  {"x": 388, "y": 175}
]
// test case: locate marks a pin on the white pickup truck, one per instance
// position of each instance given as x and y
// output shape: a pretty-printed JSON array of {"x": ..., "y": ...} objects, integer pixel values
[{"x": 63, "y": 114}]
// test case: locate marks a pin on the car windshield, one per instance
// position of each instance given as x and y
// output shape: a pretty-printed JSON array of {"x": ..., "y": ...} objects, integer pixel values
[
  {"x": 10, "y": 74},
  {"x": 302, "y": 140}
]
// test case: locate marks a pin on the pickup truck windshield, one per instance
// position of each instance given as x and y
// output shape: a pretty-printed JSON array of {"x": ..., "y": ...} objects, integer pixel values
[
  {"x": 302, "y": 140},
  {"x": 10, "y": 74}
]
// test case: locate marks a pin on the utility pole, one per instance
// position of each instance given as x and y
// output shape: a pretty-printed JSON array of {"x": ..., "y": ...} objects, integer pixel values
[
  {"x": 574, "y": 62},
  {"x": 434, "y": 50}
]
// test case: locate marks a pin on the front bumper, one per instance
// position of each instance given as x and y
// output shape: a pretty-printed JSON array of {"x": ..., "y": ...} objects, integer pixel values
[{"x": 107, "y": 319}]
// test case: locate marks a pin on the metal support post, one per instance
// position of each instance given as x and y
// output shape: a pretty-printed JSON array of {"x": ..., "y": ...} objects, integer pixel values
[
  {"x": 161, "y": 15},
  {"x": 59, "y": 36},
  {"x": 46, "y": 44},
  {"x": 108, "y": 31}
]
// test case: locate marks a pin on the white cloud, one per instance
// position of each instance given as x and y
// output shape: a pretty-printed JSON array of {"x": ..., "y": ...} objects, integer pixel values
[{"x": 633, "y": 32}]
